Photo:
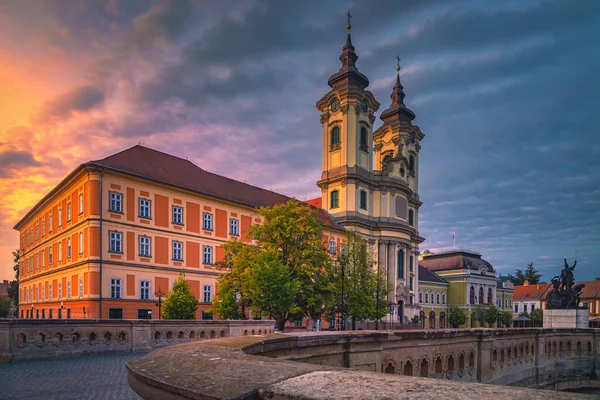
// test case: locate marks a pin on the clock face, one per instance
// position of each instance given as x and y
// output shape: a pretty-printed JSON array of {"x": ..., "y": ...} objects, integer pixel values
[
  {"x": 363, "y": 105},
  {"x": 335, "y": 105}
]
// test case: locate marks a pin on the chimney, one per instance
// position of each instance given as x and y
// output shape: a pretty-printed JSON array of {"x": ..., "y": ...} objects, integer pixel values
[{"x": 526, "y": 283}]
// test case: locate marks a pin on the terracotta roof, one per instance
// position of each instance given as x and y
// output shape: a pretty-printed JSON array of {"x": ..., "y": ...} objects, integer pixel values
[
  {"x": 317, "y": 202},
  {"x": 591, "y": 290},
  {"x": 175, "y": 171},
  {"x": 454, "y": 260},
  {"x": 531, "y": 292},
  {"x": 429, "y": 276}
]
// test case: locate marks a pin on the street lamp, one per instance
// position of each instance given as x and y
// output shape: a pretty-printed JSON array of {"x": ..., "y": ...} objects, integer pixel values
[{"x": 160, "y": 294}]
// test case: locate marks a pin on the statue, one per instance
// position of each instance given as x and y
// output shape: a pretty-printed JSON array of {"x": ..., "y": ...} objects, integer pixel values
[{"x": 564, "y": 293}]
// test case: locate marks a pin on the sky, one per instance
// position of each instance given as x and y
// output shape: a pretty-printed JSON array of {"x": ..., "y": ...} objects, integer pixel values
[{"x": 505, "y": 92}]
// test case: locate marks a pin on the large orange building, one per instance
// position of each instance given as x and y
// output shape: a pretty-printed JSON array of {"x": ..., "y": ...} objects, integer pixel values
[{"x": 116, "y": 231}]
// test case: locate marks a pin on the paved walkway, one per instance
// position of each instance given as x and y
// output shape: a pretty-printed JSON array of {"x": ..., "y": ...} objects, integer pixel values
[{"x": 87, "y": 377}]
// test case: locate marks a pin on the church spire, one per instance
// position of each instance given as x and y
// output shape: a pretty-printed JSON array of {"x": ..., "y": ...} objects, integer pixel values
[
  {"x": 397, "y": 111},
  {"x": 348, "y": 75}
]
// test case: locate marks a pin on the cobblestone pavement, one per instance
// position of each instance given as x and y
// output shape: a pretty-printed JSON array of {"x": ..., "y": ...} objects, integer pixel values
[{"x": 87, "y": 377}]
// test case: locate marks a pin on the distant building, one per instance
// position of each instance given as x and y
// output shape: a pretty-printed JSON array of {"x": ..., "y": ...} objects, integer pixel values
[
  {"x": 472, "y": 281},
  {"x": 4, "y": 289},
  {"x": 528, "y": 297},
  {"x": 433, "y": 297}
]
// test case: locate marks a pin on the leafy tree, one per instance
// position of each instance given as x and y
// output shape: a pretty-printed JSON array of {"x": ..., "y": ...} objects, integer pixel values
[
  {"x": 524, "y": 314},
  {"x": 518, "y": 279},
  {"x": 5, "y": 304},
  {"x": 507, "y": 319},
  {"x": 491, "y": 316},
  {"x": 478, "y": 314},
  {"x": 457, "y": 318},
  {"x": 415, "y": 320},
  {"x": 292, "y": 234},
  {"x": 13, "y": 286},
  {"x": 180, "y": 302},
  {"x": 530, "y": 275},
  {"x": 365, "y": 288},
  {"x": 537, "y": 316}
]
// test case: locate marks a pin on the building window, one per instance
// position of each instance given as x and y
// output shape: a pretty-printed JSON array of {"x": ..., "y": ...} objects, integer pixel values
[
  {"x": 68, "y": 247},
  {"x": 80, "y": 243},
  {"x": 59, "y": 251},
  {"x": 144, "y": 208},
  {"x": 207, "y": 221},
  {"x": 115, "y": 288},
  {"x": 332, "y": 247},
  {"x": 207, "y": 293},
  {"x": 177, "y": 250},
  {"x": 145, "y": 290},
  {"x": 411, "y": 217},
  {"x": 50, "y": 223},
  {"x": 43, "y": 228},
  {"x": 344, "y": 249},
  {"x": 517, "y": 308},
  {"x": 524, "y": 307},
  {"x": 68, "y": 290},
  {"x": 443, "y": 298},
  {"x": 36, "y": 262},
  {"x": 116, "y": 242},
  {"x": 36, "y": 294},
  {"x": 80, "y": 203},
  {"x": 60, "y": 217},
  {"x": 364, "y": 135},
  {"x": 335, "y": 137},
  {"x": 426, "y": 297},
  {"x": 59, "y": 291},
  {"x": 410, "y": 299},
  {"x": 207, "y": 255},
  {"x": 480, "y": 295},
  {"x": 144, "y": 313},
  {"x": 144, "y": 246},
  {"x": 420, "y": 297},
  {"x": 363, "y": 199},
  {"x": 410, "y": 282},
  {"x": 178, "y": 215},
  {"x": 68, "y": 212},
  {"x": 116, "y": 202},
  {"x": 115, "y": 313},
  {"x": 43, "y": 259},
  {"x": 50, "y": 292},
  {"x": 532, "y": 307},
  {"x": 49, "y": 255},
  {"x": 437, "y": 298},
  {"x": 400, "y": 264},
  {"x": 472, "y": 295},
  {"x": 411, "y": 164},
  {"x": 37, "y": 232},
  {"x": 335, "y": 199},
  {"x": 80, "y": 288},
  {"x": 234, "y": 227}
]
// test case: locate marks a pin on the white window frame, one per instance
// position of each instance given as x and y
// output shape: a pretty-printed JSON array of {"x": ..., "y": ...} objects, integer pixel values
[
  {"x": 234, "y": 227},
  {"x": 116, "y": 285},
  {"x": 68, "y": 289},
  {"x": 43, "y": 227},
  {"x": 144, "y": 246},
  {"x": 207, "y": 254},
  {"x": 43, "y": 261},
  {"x": 50, "y": 255},
  {"x": 50, "y": 223},
  {"x": 115, "y": 203},
  {"x": 115, "y": 239},
  {"x": 80, "y": 242},
  {"x": 69, "y": 210},
  {"x": 80, "y": 287},
  {"x": 80, "y": 203},
  {"x": 59, "y": 251},
  {"x": 144, "y": 205},
  {"x": 50, "y": 292},
  {"x": 59, "y": 217},
  {"x": 177, "y": 215},
  {"x": 207, "y": 220},
  {"x": 332, "y": 246},
  {"x": 177, "y": 250},
  {"x": 207, "y": 294},
  {"x": 36, "y": 294},
  {"x": 145, "y": 286},
  {"x": 68, "y": 248},
  {"x": 59, "y": 293},
  {"x": 43, "y": 293}
]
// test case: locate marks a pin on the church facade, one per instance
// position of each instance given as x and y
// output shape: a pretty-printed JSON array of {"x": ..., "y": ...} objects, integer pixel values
[{"x": 370, "y": 177}]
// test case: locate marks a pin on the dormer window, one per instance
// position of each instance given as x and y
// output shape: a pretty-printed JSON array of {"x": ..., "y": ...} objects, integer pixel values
[{"x": 335, "y": 139}]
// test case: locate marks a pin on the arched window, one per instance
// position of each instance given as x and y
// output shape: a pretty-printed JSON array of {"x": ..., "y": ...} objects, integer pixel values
[
  {"x": 411, "y": 164},
  {"x": 334, "y": 199},
  {"x": 432, "y": 319},
  {"x": 437, "y": 300},
  {"x": 387, "y": 159},
  {"x": 401, "y": 267},
  {"x": 489, "y": 296},
  {"x": 420, "y": 297},
  {"x": 442, "y": 320},
  {"x": 480, "y": 295},
  {"x": 335, "y": 135},
  {"x": 426, "y": 297},
  {"x": 364, "y": 135},
  {"x": 472, "y": 295},
  {"x": 444, "y": 298}
]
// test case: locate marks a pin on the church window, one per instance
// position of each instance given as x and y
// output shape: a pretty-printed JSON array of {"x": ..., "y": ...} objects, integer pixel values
[
  {"x": 411, "y": 164},
  {"x": 401, "y": 265},
  {"x": 335, "y": 136},
  {"x": 411, "y": 217},
  {"x": 480, "y": 295},
  {"x": 472, "y": 295},
  {"x": 335, "y": 199},
  {"x": 411, "y": 263},
  {"x": 364, "y": 135},
  {"x": 363, "y": 199}
]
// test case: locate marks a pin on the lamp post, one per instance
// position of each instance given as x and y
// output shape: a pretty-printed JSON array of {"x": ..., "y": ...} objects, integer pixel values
[{"x": 160, "y": 294}]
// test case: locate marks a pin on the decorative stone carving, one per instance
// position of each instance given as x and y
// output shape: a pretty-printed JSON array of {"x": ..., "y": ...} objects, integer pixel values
[
  {"x": 383, "y": 190},
  {"x": 392, "y": 192},
  {"x": 345, "y": 108},
  {"x": 371, "y": 118},
  {"x": 324, "y": 117},
  {"x": 377, "y": 146},
  {"x": 344, "y": 182},
  {"x": 396, "y": 140},
  {"x": 418, "y": 146},
  {"x": 357, "y": 109},
  {"x": 371, "y": 188}
]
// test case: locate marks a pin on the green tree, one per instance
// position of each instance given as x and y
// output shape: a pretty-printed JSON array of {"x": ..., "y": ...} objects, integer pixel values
[
  {"x": 537, "y": 316},
  {"x": 457, "y": 318},
  {"x": 180, "y": 302},
  {"x": 291, "y": 233},
  {"x": 478, "y": 314},
  {"x": 13, "y": 286},
  {"x": 416, "y": 320},
  {"x": 531, "y": 275},
  {"x": 491, "y": 316},
  {"x": 518, "y": 279},
  {"x": 524, "y": 314},
  {"x": 365, "y": 288},
  {"x": 5, "y": 304},
  {"x": 507, "y": 319}
]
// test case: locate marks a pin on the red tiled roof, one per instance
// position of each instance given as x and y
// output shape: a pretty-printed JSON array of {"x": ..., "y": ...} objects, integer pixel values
[
  {"x": 175, "y": 171},
  {"x": 531, "y": 292},
  {"x": 454, "y": 260},
  {"x": 315, "y": 202}
]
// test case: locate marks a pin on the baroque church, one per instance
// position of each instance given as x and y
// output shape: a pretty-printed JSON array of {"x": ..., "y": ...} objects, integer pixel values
[{"x": 370, "y": 177}]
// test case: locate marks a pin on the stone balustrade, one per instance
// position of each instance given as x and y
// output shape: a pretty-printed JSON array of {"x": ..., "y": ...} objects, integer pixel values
[
  {"x": 39, "y": 339},
  {"x": 301, "y": 365}
]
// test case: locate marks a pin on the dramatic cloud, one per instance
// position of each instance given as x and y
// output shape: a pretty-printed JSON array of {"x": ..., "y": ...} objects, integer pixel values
[{"x": 506, "y": 93}]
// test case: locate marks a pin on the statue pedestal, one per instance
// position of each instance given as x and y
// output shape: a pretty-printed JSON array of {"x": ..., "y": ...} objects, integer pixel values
[{"x": 577, "y": 318}]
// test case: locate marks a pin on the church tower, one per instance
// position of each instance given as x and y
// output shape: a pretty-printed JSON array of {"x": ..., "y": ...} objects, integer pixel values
[{"x": 369, "y": 179}]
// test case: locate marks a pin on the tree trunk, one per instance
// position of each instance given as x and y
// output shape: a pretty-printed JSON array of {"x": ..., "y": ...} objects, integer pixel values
[
  {"x": 353, "y": 323},
  {"x": 280, "y": 323}
]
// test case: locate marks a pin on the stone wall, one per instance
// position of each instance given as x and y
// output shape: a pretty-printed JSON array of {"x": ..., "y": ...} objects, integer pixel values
[
  {"x": 576, "y": 318},
  {"x": 38, "y": 339}
]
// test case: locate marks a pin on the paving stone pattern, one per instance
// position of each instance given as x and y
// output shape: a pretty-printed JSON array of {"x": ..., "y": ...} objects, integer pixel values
[{"x": 88, "y": 377}]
